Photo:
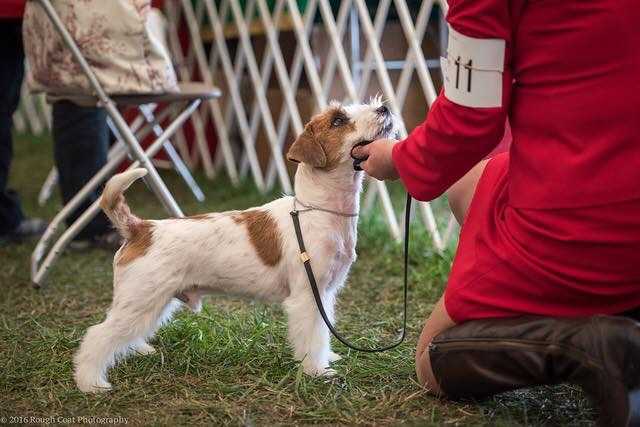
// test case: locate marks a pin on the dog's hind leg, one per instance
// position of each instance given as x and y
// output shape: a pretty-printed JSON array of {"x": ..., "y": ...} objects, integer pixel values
[
  {"x": 141, "y": 346},
  {"x": 134, "y": 315}
]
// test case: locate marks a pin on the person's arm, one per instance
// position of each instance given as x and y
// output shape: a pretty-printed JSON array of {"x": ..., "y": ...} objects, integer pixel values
[{"x": 468, "y": 118}]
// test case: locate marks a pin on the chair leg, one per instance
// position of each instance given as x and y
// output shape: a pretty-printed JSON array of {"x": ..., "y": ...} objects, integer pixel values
[
  {"x": 47, "y": 187},
  {"x": 183, "y": 171},
  {"x": 52, "y": 179},
  {"x": 70, "y": 207},
  {"x": 153, "y": 179},
  {"x": 39, "y": 270},
  {"x": 174, "y": 157},
  {"x": 139, "y": 126}
]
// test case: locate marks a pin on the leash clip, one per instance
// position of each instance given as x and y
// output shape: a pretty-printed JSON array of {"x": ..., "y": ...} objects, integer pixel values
[{"x": 304, "y": 257}]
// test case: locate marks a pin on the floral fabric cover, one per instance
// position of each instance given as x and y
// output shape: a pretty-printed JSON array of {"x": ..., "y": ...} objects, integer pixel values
[{"x": 113, "y": 36}]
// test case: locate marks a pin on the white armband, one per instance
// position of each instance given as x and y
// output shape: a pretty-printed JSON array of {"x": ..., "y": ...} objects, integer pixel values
[{"x": 472, "y": 70}]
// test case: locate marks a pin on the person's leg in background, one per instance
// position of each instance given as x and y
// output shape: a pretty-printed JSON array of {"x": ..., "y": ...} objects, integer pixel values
[
  {"x": 81, "y": 144},
  {"x": 13, "y": 224}
]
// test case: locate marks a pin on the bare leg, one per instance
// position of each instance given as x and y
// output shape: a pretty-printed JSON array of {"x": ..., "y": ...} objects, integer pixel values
[
  {"x": 461, "y": 193},
  {"x": 438, "y": 321}
]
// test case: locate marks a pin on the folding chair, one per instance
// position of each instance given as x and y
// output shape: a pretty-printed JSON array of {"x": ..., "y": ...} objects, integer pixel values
[
  {"x": 146, "y": 115},
  {"x": 190, "y": 95}
]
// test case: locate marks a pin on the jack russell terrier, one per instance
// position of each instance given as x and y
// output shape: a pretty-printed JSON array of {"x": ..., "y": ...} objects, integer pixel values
[{"x": 251, "y": 253}]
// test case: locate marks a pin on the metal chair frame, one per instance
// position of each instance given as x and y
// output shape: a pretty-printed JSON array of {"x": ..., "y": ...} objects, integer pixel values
[
  {"x": 42, "y": 259},
  {"x": 146, "y": 115}
]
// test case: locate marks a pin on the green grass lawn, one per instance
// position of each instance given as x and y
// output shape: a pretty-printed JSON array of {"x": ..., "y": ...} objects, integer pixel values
[{"x": 230, "y": 364}]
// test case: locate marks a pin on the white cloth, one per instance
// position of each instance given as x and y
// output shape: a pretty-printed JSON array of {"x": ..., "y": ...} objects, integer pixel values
[
  {"x": 115, "y": 38},
  {"x": 473, "y": 70}
]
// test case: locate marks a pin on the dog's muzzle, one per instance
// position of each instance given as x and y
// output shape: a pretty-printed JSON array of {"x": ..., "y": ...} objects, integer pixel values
[
  {"x": 384, "y": 132},
  {"x": 357, "y": 161}
]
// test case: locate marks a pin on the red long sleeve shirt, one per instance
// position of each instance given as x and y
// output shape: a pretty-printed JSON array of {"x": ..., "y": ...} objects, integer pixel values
[{"x": 571, "y": 92}]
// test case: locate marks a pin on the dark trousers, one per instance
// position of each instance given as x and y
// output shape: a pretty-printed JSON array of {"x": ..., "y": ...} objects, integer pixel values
[
  {"x": 11, "y": 74},
  {"x": 81, "y": 142}
]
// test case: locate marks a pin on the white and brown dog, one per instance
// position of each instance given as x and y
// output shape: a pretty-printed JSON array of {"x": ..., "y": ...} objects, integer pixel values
[{"x": 251, "y": 253}]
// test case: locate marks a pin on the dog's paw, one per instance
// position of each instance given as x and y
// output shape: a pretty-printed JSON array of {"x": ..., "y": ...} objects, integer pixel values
[
  {"x": 144, "y": 349},
  {"x": 328, "y": 372},
  {"x": 334, "y": 357},
  {"x": 316, "y": 370},
  {"x": 98, "y": 386}
]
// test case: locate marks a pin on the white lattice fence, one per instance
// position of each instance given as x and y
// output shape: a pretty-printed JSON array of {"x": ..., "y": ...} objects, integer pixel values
[
  {"x": 344, "y": 30},
  {"x": 354, "y": 62}
]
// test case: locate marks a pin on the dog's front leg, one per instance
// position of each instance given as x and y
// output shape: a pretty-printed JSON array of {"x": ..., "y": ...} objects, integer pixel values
[
  {"x": 334, "y": 287},
  {"x": 308, "y": 334}
]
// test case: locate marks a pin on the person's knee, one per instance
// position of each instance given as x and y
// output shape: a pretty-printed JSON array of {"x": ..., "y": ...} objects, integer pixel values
[
  {"x": 438, "y": 322},
  {"x": 424, "y": 372}
]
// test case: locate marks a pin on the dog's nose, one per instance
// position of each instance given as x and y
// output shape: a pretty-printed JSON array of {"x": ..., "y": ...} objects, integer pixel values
[{"x": 382, "y": 110}]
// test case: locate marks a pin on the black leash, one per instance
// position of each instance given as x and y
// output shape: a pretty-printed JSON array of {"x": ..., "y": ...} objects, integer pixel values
[{"x": 316, "y": 293}]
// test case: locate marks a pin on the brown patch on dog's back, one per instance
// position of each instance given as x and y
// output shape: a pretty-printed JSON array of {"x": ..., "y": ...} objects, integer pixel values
[
  {"x": 264, "y": 234},
  {"x": 138, "y": 245}
]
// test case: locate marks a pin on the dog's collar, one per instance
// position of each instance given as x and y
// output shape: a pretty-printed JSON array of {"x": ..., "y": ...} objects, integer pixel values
[{"x": 308, "y": 207}]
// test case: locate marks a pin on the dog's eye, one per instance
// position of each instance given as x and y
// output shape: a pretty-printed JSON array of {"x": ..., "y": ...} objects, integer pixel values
[{"x": 338, "y": 121}]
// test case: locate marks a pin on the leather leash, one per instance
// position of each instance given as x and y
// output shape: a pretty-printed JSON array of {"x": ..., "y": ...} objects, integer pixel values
[{"x": 306, "y": 260}]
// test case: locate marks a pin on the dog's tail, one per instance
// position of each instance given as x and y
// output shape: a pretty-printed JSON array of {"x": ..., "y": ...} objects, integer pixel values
[{"x": 115, "y": 206}]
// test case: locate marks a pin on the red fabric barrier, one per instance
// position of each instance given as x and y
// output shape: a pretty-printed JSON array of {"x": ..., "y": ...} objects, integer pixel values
[{"x": 11, "y": 9}]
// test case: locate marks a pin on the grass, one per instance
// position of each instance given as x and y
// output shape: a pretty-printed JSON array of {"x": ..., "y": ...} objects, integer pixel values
[{"x": 230, "y": 364}]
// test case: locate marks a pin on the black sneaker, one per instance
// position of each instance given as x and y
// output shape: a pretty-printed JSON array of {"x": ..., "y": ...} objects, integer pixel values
[
  {"x": 110, "y": 241},
  {"x": 29, "y": 228}
]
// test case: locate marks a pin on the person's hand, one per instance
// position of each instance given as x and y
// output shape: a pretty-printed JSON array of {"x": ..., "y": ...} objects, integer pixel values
[{"x": 379, "y": 163}]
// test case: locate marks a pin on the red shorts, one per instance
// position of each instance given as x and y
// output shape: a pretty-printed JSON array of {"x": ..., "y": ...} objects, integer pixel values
[{"x": 553, "y": 262}]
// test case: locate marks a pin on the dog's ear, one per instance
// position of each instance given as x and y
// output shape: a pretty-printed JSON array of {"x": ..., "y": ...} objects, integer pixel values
[{"x": 306, "y": 149}]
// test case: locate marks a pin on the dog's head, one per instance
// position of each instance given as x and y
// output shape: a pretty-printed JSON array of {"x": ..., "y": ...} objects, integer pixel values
[{"x": 328, "y": 138}]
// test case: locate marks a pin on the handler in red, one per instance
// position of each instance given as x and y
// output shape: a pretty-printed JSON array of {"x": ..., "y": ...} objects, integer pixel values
[{"x": 550, "y": 244}]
